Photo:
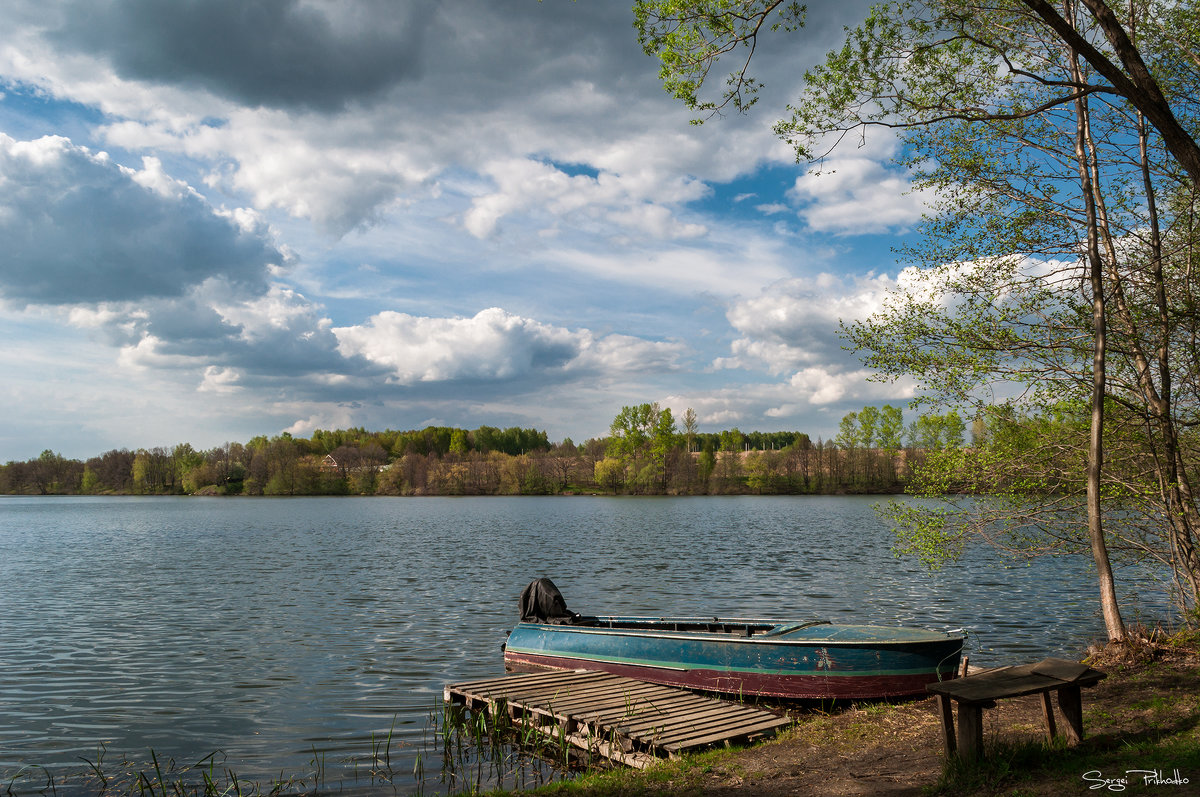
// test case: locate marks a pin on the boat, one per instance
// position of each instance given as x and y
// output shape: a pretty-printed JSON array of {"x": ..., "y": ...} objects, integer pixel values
[{"x": 791, "y": 659}]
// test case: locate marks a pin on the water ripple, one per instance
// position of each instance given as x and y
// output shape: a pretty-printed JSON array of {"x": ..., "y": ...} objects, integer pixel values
[{"x": 268, "y": 629}]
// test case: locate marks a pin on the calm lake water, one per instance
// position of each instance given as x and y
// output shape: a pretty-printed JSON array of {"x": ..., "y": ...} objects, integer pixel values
[{"x": 283, "y": 631}]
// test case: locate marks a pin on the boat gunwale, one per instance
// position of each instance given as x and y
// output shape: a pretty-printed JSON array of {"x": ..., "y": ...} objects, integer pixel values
[
  {"x": 653, "y": 630},
  {"x": 730, "y": 669}
]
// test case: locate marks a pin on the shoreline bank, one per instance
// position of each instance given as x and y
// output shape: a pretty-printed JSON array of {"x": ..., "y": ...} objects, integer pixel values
[{"x": 1142, "y": 735}]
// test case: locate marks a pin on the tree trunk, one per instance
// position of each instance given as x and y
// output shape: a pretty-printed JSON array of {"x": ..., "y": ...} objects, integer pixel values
[
  {"x": 1109, "y": 606},
  {"x": 1132, "y": 79}
]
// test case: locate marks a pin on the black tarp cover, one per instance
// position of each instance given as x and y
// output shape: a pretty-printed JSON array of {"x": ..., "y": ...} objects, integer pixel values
[{"x": 541, "y": 602}]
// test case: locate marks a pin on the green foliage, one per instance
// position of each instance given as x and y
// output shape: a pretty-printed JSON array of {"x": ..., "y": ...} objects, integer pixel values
[
  {"x": 927, "y": 532},
  {"x": 647, "y": 455},
  {"x": 609, "y": 473},
  {"x": 935, "y": 432},
  {"x": 891, "y": 427},
  {"x": 848, "y": 433},
  {"x": 642, "y": 438},
  {"x": 688, "y": 36}
]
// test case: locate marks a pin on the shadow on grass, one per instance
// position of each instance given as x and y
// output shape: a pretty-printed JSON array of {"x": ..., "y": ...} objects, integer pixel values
[{"x": 1157, "y": 752}]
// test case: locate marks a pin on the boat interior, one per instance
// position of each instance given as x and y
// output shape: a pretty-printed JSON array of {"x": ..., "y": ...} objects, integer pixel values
[{"x": 714, "y": 625}]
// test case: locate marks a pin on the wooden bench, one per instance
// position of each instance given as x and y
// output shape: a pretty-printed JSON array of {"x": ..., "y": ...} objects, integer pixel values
[{"x": 974, "y": 693}]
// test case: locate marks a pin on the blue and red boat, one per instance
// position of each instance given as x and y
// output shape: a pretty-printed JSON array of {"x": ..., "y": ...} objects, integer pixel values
[{"x": 777, "y": 658}]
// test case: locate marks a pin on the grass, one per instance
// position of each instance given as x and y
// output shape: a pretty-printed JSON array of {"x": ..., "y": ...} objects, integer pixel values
[{"x": 1038, "y": 768}]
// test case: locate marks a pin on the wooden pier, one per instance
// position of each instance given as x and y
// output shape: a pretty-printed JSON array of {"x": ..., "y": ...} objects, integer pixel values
[{"x": 628, "y": 721}]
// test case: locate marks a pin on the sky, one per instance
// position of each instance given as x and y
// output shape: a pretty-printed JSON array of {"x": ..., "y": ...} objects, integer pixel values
[{"x": 221, "y": 219}]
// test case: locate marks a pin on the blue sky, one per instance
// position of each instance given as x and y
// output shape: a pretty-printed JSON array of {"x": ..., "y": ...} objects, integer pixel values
[{"x": 222, "y": 219}]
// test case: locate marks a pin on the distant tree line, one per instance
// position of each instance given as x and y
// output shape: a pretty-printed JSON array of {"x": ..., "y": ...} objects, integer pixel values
[{"x": 646, "y": 452}]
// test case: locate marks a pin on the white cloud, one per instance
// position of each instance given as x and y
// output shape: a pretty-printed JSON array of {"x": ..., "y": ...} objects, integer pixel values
[
  {"x": 521, "y": 155},
  {"x": 857, "y": 195},
  {"x": 339, "y": 418},
  {"x": 657, "y": 221},
  {"x": 422, "y": 94},
  {"x": 795, "y": 323},
  {"x": 521, "y": 184},
  {"x": 628, "y": 200},
  {"x": 78, "y": 228},
  {"x": 493, "y": 345},
  {"x": 625, "y": 354},
  {"x": 219, "y": 380},
  {"x": 279, "y": 310},
  {"x": 717, "y": 268}
]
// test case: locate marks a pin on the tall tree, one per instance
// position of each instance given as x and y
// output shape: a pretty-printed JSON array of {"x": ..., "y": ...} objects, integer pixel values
[
  {"x": 690, "y": 36},
  {"x": 981, "y": 92}
]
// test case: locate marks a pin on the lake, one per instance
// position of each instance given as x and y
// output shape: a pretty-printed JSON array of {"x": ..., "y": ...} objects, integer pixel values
[{"x": 289, "y": 634}]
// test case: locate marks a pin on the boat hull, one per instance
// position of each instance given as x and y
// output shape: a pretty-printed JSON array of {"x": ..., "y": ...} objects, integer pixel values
[{"x": 771, "y": 658}]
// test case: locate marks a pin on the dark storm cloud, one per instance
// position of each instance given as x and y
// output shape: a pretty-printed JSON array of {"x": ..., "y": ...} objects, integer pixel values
[
  {"x": 76, "y": 228},
  {"x": 274, "y": 53}
]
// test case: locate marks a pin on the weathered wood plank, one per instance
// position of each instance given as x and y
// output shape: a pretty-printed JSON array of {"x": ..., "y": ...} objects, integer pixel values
[
  {"x": 699, "y": 730},
  {"x": 970, "y": 731},
  {"x": 611, "y": 714},
  {"x": 1070, "y": 700},
  {"x": 581, "y": 699},
  {"x": 743, "y": 731},
  {"x": 1062, "y": 669},
  {"x": 1048, "y": 715},
  {"x": 981, "y": 690},
  {"x": 629, "y": 721},
  {"x": 947, "y": 713},
  {"x": 576, "y": 680},
  {"x": 536, "y": 681}
]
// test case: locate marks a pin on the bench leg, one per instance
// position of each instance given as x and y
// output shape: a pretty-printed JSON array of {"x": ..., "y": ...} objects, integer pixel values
[
  {"x": 1071, "y": 702},
  {"x": 970, "y": 731},
  {"x": 1048, "y": 713},
  {"x": 947, "y": 714}
]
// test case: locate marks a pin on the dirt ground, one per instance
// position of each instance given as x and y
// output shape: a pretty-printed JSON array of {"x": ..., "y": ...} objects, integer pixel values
[{"x": 897, "y": 750}]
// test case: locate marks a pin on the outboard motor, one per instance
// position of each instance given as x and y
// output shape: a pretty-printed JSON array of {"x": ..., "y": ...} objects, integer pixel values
[{"x": 541, "y": 602}]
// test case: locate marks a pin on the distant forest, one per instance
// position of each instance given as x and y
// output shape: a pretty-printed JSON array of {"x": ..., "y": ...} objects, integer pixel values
[{"x": 647, "y": 452}]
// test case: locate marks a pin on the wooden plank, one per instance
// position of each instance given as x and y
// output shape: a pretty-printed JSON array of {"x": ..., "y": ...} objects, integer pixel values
[
  {"x": 538, "y": 684},
  {"x": 510, "y": 686},
  {"x": 672, "y": 721},
  {"x": 610, "y": 716},
  {"x": 970, "y": 731},
  {"x": 632, "y": 758},
  {"x": 1025, "y": 679},
  {"x": 744, "y": 731},
  {"x": 993, "y": 687},
  {"x": 1062, "y": 669},
  {"x": 530, "y": 678},
  {"x": 621, "y": 718},
  {"x": 1048, "y": 714},
  {"x": 947, "y": 713},
  {"x": 1071, "y": 702},
  {"x": 581, "y": 700},
  {"x": 616, "y": 713},
  {"x": 698, "y": 718},
  {"x": 713, "y": 725},
  {"x": 664, "y": 695}
]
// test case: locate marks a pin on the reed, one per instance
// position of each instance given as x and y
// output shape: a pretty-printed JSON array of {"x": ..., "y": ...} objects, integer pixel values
[
  {"x": 161, "y": 778},
  {"x": 474, "y": 751},
  {"x": 506, "y": 748}
]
